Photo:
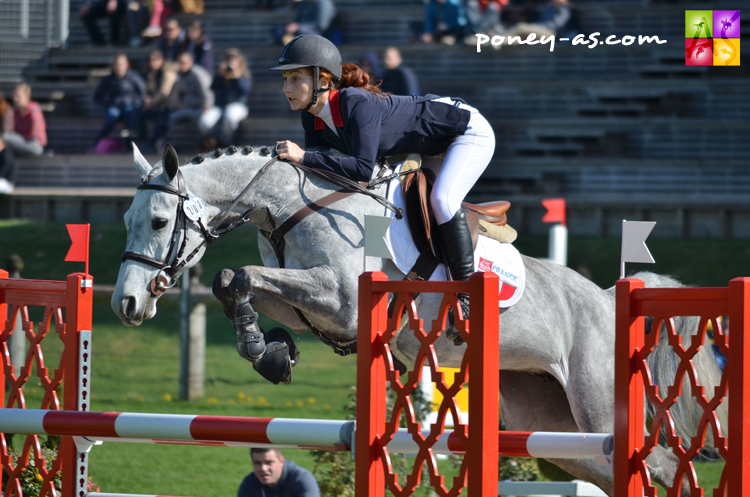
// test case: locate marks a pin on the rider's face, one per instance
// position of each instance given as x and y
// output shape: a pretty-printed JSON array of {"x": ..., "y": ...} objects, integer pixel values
[{"x": 298, "y": 87}]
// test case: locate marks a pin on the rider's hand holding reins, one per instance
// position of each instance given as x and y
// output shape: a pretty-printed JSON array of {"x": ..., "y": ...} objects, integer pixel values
[{"x": 288, "y": 150}]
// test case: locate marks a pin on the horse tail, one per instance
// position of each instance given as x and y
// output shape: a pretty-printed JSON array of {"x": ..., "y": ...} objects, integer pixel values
[{"x": 663, "y": 364}]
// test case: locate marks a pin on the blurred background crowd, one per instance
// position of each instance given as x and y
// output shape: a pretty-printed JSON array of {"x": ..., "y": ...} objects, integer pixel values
[{"x": 84, "y": 78}]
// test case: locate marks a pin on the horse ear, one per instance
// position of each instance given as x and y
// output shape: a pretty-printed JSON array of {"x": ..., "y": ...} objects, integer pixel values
[
  {"x": 170, "y": 162},
  {"x": 141, "y": 164}
]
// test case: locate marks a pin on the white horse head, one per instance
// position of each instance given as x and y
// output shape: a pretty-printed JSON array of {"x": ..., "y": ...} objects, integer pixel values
[{"x": 157, "y": 230}]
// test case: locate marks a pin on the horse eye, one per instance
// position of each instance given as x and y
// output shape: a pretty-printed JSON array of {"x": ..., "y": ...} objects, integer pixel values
[{"x": 158, "y": 223}]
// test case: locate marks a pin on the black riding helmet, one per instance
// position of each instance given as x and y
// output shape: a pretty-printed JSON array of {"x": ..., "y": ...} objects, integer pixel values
[{"x": 311, "y": 51}]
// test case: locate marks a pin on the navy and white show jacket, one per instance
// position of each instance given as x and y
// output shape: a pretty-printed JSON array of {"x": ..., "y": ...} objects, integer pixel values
[{"x": 371, "y": 126}]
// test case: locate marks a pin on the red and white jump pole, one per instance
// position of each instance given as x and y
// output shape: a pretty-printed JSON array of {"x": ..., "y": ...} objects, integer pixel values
[{"x": 337, "y": 435}]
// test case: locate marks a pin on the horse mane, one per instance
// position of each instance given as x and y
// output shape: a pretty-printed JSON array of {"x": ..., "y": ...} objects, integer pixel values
[
  {"x": 251, "y": 150},
  {"x": 248, "y": 150}
]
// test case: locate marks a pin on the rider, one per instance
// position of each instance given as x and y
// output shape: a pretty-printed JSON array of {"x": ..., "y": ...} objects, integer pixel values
[{"x": 344, "y": 111}]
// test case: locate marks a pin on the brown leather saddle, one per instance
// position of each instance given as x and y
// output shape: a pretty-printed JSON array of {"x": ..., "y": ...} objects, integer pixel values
[{"x": 416, "y": 187}]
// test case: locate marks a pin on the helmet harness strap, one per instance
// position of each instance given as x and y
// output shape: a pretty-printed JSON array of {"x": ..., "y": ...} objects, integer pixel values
[{"x": 316, "y": 77}]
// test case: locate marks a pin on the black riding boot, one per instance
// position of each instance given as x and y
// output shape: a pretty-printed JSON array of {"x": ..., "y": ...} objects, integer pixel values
[{"x": 459, "y": 253}]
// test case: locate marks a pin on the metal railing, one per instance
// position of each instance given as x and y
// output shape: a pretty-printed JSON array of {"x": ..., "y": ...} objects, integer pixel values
[{"x": 28, "y": 29}]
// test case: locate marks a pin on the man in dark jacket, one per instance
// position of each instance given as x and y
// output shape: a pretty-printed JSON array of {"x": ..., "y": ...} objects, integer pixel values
[
  {"x": 274, "y": 476},
  {"x": 173, "y": 42},
  {"x": 121, "y": 93},
  {"x": 191, "y": 95}
]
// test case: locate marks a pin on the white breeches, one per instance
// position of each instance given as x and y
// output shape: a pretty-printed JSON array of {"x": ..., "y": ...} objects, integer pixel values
[{"x": 465, "y": 161}]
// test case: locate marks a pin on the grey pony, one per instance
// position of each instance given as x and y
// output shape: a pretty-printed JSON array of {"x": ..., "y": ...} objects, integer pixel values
[{"x": 556, "y": 345}]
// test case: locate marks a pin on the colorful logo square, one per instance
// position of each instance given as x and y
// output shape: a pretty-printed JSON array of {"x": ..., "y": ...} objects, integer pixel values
[
  {"x": 726, "y": 23},
  {"x": 726, "y": 51},
  {"x": 699, "y": 52},
  {"x": 699, "y": 24}
]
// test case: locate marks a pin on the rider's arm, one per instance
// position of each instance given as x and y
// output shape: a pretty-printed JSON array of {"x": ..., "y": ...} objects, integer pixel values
[{"x": 363, "y": 130}]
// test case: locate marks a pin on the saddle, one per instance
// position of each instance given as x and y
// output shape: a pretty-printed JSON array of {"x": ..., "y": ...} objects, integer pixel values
[{"x": 487, "y": 219}]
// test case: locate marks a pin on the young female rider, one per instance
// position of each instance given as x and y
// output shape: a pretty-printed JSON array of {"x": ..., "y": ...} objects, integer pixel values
[{"x": 343, "y": 111}]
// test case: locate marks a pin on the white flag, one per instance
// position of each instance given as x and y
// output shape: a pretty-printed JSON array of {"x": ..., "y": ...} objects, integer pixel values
[
  {"x": 375, "y": 244},
  {"x": 634, "y": 249}
]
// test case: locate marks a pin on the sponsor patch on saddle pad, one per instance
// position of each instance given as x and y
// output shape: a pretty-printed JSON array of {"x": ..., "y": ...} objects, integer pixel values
[{"x": 490, "y": 255}]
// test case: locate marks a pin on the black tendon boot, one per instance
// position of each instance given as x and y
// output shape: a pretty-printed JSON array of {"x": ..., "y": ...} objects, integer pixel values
[
  {"x": 459, "y": 254},
  {"x": 251, "y": 343},
  {"x": 272, "y": 359}
]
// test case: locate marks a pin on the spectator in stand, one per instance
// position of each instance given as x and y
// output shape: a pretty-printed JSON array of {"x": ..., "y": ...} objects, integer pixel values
[
  {"x": 29, "y": 135},
  {"x": 191, "y": 94},
  {"x": 231, "y": 87},
  {"x": 137, "y": 13},
  {"x": 200, "y": 46},
  {"x": 7, "y": 168},
  {"x": 445, "y": 22},
  {"x": 555, "y": 18},
  {"x": 484, "y": 15},
  {"x": 160, "y": 12},
  {"x": 159, "y": 80},
  {"x": 311, "y": 17},
  {"x": 274, "y": 476},
  {"x": 121, "y": 94},
  {"x": 6, "y": 115},
  {"x": 91, "y": 10},
  {"x": 174, "y": 41},
  {"x": 398, "y": 79}
]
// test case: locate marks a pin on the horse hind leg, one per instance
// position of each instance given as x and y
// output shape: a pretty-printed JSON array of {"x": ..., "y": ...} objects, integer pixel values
[
  {"x": 532, "y": 402},
  {"x": 662, "y": 466}
]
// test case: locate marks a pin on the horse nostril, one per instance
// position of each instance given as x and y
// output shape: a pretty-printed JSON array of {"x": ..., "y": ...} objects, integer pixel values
[{"x": 128, "y": 307}]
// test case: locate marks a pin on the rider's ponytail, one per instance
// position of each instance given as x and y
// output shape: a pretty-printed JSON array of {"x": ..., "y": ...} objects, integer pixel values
[{"x": 353, "y": 76}]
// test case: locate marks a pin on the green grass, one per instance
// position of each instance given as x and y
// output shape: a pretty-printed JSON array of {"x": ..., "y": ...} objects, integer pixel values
[{"x": 137, "y": 369}]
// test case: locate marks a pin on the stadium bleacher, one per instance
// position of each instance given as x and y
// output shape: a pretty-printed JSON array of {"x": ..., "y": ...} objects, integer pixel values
[{"x": 611, "y": 123}]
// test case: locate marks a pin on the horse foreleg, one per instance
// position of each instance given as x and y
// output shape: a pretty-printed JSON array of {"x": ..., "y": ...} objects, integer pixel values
[
  {"x": 266, "y": 304},
  {"x": 317, "y": 293}
]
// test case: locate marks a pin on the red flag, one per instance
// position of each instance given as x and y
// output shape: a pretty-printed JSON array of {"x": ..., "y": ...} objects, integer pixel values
[
  {"x": 79, "y": 249},
  {"x": 555, "y": 210}
]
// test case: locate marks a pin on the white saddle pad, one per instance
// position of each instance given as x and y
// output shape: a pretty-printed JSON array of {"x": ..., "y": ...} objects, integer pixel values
[{"x": 490, "y": 255}]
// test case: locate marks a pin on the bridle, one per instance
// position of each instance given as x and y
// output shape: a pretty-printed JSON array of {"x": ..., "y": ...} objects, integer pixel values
[{"x": 165, "y": 278}]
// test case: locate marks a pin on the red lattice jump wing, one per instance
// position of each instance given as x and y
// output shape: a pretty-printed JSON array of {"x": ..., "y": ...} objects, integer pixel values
[
  {"x": 635, "y": 378},
  {"x": 375, "y": 366},
  {"x": 75, "y": 297}
]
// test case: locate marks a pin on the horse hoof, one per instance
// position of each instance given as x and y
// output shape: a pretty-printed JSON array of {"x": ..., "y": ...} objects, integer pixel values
[
  {"x": 281, "y": 335},
  {"x": 454, "y": 335},
  {"x": 275, "y": 365}
]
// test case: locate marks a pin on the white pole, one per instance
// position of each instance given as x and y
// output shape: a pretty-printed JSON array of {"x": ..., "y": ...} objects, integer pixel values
[
  {"x": 558, "y": 244},
  {"x": 24, "y": 24},
  {"x": 64, "y": 20}
]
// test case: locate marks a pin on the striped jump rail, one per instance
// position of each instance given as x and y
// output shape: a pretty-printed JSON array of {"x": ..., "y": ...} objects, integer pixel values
[{"x": 336, "y": 435}]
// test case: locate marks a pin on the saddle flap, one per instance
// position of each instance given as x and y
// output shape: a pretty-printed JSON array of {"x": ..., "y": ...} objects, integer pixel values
[{"x": 417, "y": 187}]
